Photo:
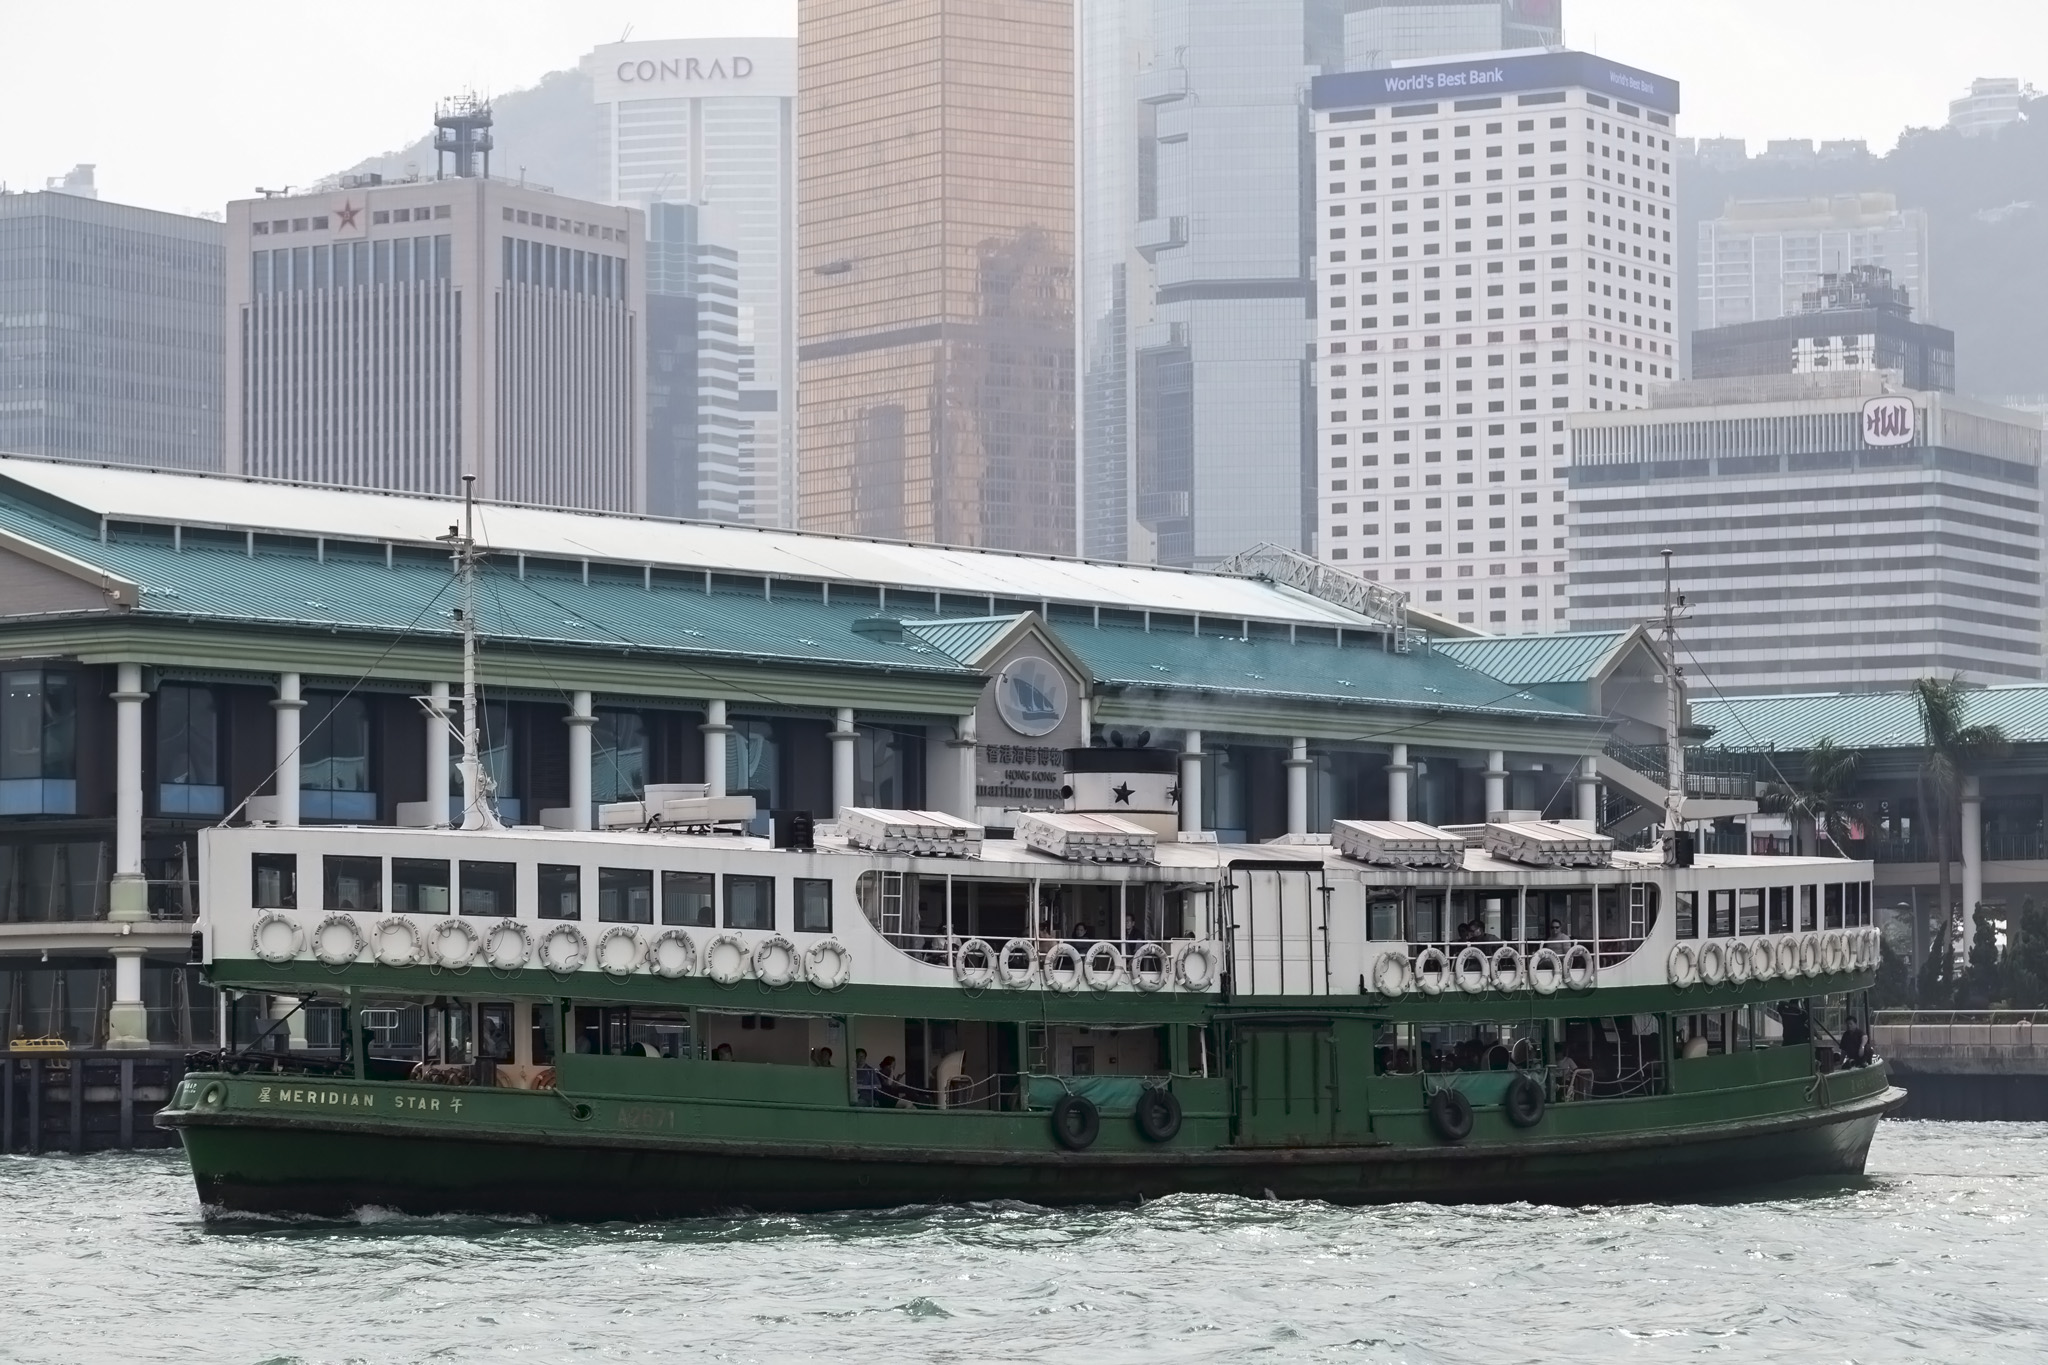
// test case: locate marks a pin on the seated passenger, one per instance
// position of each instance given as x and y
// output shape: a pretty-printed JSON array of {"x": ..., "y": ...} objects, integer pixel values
[
  {"x": 722, "y": 1053},
  {"x": 822, "y": 1057},
  {"x": 1855, "y": 1047},
  {"x": 1403, "y": 1063},
  {"x": 887, "y": 1091},
  {"x": 864, "y": 1079}
]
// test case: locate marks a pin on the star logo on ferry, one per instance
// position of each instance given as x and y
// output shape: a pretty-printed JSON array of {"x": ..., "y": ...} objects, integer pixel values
[
  {"x": 1122, "y": 792},
  {"x": 346, "y": 215}
]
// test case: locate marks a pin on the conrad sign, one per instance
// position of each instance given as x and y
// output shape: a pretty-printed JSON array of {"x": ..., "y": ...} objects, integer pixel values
[{"x": 693, "y": 68}]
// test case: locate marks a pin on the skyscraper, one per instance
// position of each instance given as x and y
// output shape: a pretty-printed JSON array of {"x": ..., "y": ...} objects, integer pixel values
[
  {"x": 1495, "y": 254},
  {"x": 711, "y": 122},
  {"x": 402, "y": 335},
  {"x": 110, "y": 330},
  {"x": 696, "y": 434},
  {"x": 1196, "y": 308},
  {"x": 1762, "y": 256},
  {"x": 935, "y": 222}
]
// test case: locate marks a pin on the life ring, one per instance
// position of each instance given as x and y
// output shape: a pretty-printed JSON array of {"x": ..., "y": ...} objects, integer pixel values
[
  {"x": 338, "y": 940},
  {"x": 1062, "y": 969},
  {"x": 1158, "y": 1114},
  {"x": 1017, "y": 964},
  {"x": 974, "y": 964},
  {"x": 1431, "y": 968},
  {"x": 1450, "y": 1113},
  {"x": 449, "y": 954},
  {"x": 385, "y": 938},
  {"x": 1102, "y": 978},
  {"x": 1838, "y": 952},
  {"x": 1581, "y": 972},
  {"x": 672, "y": 955},
  {"x": 276, "y": 939},
  {"x": 1546, "y": 971},
  {"x": 575, "y": 949},
  {"x": 1738, "y": 963},
  {"x": 828, "y": 964},
  {"x": 1680, "y": 967},
  {"x": 619, "y": 952},
  {"x": 1809, "y": 955},
  {"x": 508, "y": 945},
  {"x": 1524, "y": 1102},
  {"x": 1390, "y": 975},
  {"x": 1713, "y": 964},
  {"x": 776, "y": 963},
  {"x": 1873, "y": 947},
  {"x": 1763, "y": 960},
  {"x": 1075, "y": 1121},
  {"x": 1474, "y": 981},
  {"x": 1508, "y": 977},
  {"x": 1196, "y": 967},
  {"x": 726, "y": 959},
  {"x": 1150, "y": 967}
]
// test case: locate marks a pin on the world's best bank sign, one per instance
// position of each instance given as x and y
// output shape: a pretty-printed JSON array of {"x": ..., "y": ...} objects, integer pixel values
[{"x": 1469, "y": 79}]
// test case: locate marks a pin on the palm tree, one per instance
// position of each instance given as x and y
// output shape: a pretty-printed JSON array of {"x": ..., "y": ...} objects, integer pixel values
[
  {"x": 1830, "y": 774},
  {"x": 1949, "y": 749}
]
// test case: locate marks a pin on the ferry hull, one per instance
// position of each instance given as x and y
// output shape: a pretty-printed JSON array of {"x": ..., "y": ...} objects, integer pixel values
[{"x": 248, "y": 1167}]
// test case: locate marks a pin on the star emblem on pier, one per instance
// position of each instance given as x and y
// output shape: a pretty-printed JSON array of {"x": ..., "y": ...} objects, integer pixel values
[
  {"x": 1122, "y": 792},
  {"x": 346, "y": 215}
]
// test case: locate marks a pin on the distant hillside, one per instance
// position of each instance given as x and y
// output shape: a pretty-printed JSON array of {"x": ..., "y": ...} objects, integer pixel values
[
  {"x": 549, "y": 134},
  {"x": 1986, "y": 200}
]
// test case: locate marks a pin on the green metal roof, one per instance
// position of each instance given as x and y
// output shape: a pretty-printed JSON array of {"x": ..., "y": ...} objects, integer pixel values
[
  {"x": 1530, "y": 660},
  {"x": 962, "y": 638},
  {"x": 1863, "y": 720},
  {"x": 1274, "y": 668}
]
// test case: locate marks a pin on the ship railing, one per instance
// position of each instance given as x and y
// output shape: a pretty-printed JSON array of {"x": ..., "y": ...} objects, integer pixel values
[
  {"x": 1647, "y": 1079},
  {"x": 997, "y": 1091}
]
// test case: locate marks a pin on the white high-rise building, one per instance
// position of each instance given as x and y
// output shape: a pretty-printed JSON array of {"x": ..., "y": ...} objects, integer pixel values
[
  {"x": 1495, "y": 253},
  {"x": 1993, "y": 102},
  {"x": 711, "y": 122},
  {"x": 1761, "y": 257},
  {"x": 402, "y": 335}
]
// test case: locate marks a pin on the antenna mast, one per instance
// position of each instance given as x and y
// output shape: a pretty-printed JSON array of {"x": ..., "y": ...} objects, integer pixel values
[
  {"x": 1674, "y": 700},
  {"x": 477, "y": 809}
]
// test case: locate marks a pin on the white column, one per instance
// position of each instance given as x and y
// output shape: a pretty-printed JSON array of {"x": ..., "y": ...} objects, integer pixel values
[
  {"x": 966, "y": 740},
  {"x": 128, "y": 893},
  {"x": 288, "y": 706},
  {"x": 1972, "y": 832},
  {"x": 1397, "y": 783},
  {"x": 1191, "y": 782},
  {"x": 715, "y": 730},
  {"x": 1589, "y": 790},
  {"x": 580, "y": 720},
  {"x": 437, "y": 753},
  {"x": 1496, "y": 781},
  {"x": 1298, "y": 764},
  {"x": 522, "y": 1032},
  {"x": 842, "y": 737}
]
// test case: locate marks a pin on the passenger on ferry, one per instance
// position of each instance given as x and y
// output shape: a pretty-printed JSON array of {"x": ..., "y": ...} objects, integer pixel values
[
  {"x": 887, "y": 1091},
  {"x": 821, "y": 1056},
  {"x": 1855, "y": 1045},
  {"x": 722, "y": 1053},
  {"x": 1403, "y": 1063},
  {"x": 864, "y": 1079}
]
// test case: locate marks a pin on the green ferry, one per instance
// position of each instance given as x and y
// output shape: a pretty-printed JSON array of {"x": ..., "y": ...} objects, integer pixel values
[{"x": 677, "y": 1017}]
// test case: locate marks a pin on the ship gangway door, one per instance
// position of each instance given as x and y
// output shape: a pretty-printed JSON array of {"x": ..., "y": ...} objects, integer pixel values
[
  {"x": 1286, "y": 1083},
  {"x": 1278, "y": 923}
]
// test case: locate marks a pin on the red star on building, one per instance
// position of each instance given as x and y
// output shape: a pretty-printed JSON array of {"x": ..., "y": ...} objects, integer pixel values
[{"x": 345, "y": 216}]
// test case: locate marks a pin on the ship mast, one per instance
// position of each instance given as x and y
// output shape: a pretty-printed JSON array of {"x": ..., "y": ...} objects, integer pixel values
[
  {"x": 1674, "y": 703},
  {"x": 477, "y": 808}
]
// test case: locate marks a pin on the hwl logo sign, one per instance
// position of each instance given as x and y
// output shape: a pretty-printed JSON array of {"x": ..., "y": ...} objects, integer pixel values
[{"x": 1888, "y": 422}]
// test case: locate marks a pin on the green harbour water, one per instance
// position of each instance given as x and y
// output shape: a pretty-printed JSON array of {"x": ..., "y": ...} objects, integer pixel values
[{"x": 1939, "y": 1254}]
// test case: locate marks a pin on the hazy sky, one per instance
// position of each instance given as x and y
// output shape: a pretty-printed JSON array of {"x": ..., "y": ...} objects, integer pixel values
[{"x": 184, "y": 106}]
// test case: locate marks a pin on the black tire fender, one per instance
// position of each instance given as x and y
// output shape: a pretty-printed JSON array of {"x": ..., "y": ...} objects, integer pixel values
[
  {"x": 1076, "y": 1122},
  {"x": 1158, "y": 1115},
  {"x": 1450, "y": 1113},
  {"x": 1524, "y": 1102}
]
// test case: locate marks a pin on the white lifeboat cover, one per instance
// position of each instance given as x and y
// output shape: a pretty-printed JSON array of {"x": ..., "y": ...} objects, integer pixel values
[
  {"x": 924, "y": 832},
  {"x": 1549, "y": 843},
  {"x": 1397, "y": 843},
  {"x": 1084, "y": 837}
]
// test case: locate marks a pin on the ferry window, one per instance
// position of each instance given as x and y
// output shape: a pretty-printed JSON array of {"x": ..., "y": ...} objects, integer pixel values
[
  {"x": 686, "y": 899},
  {"x": 490, "y": 888},
  {"x": 1383, "y": 917},
  {"x": 561, "y": 891},
  {"x": 625, "y": 895},
  {"x": 1749, "y": 911},
  {"x": 1809, "y": 909},
  {"x": 419, "y": 886},
  {"x": 494, "y": 1022},
  {"x": 749, "y": 902},
  {"x": 1781, "y": 910},
  {"x": 274, "y": 881},
  {"x": 353, "y": 883},
  {"x": 813, "y": 905},
  {"x": 1686, "y": 914},
  {"x": 1720, "y": 914},
  {"x": 1425, "y": 920},
  {"x": 1863, "y": 916},
  {"x": 1581, "y": 921},
  {"x": 1834, "y": 905}
]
